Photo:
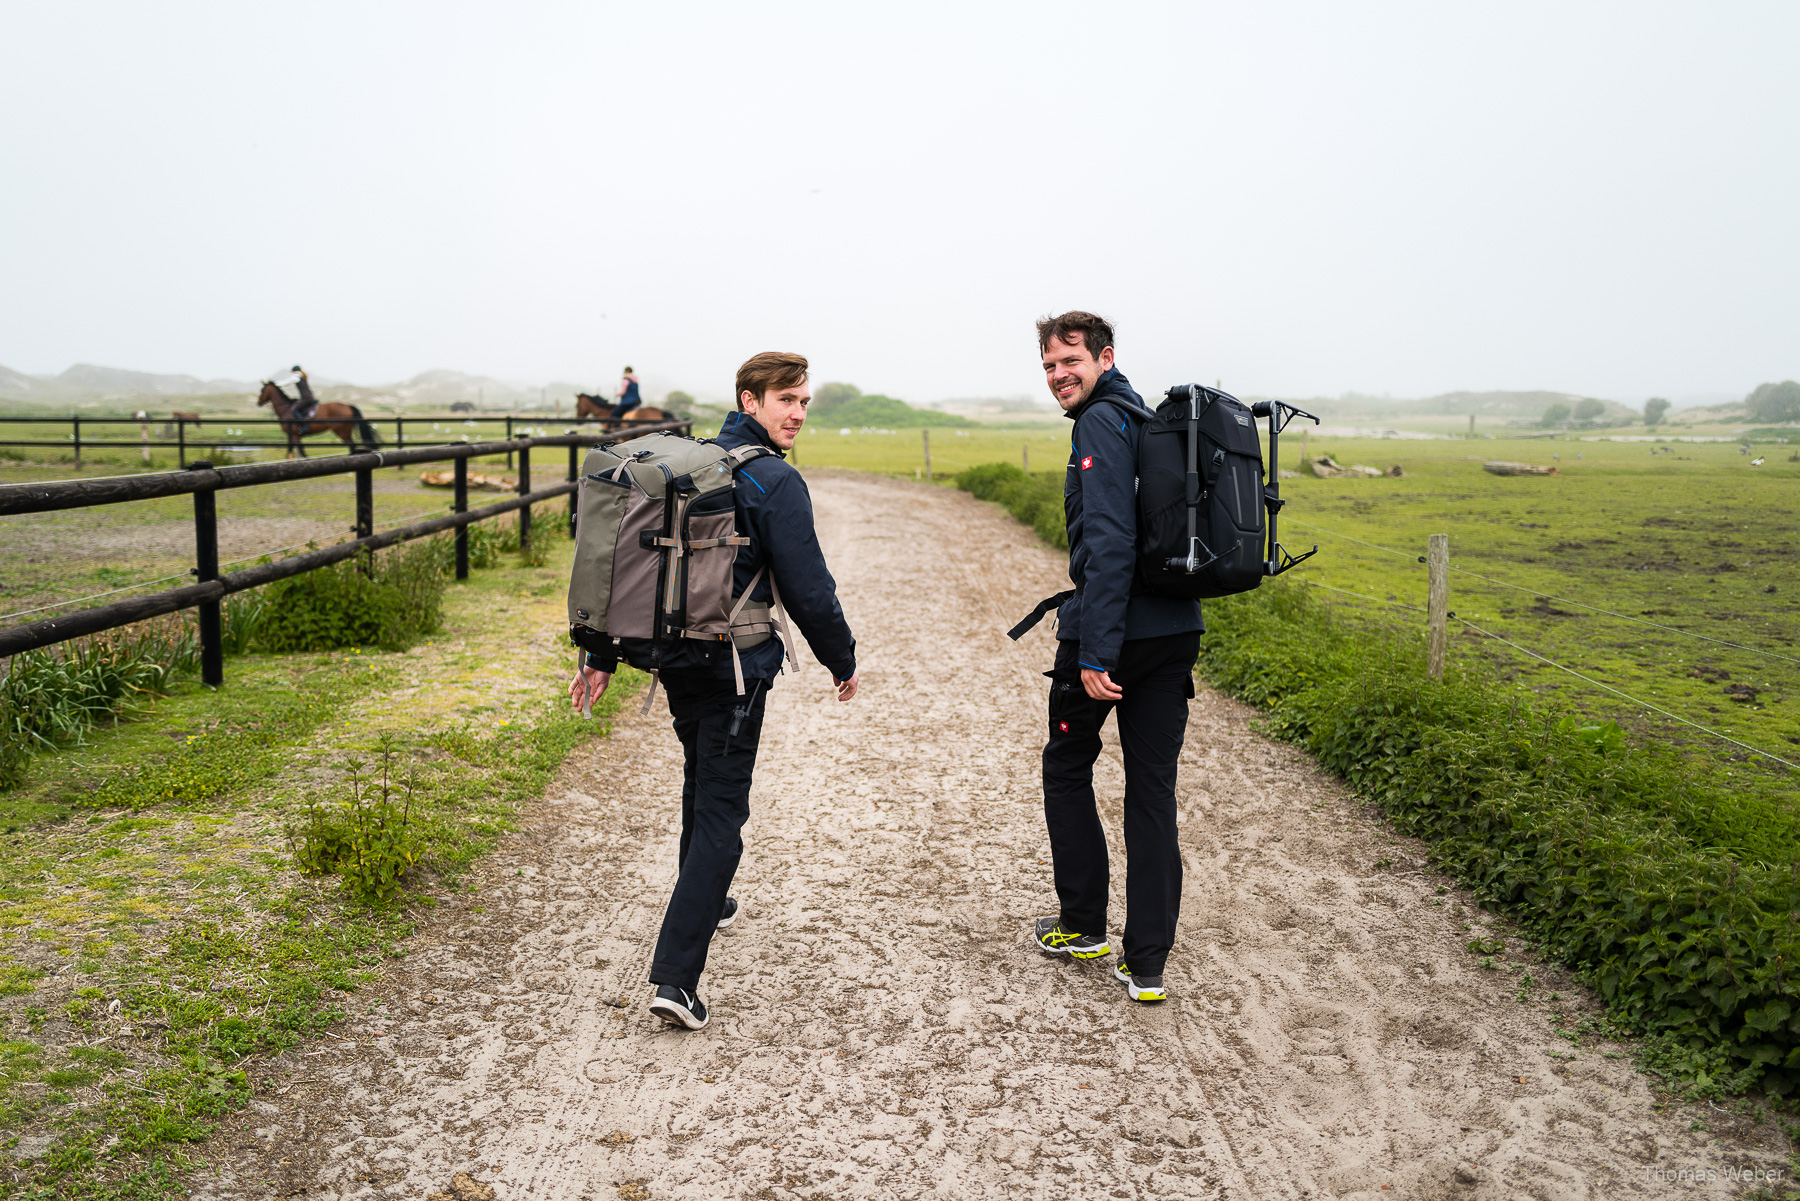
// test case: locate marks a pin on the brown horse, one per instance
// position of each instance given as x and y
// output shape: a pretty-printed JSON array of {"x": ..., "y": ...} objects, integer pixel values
[
  {"x": 177, "y": 417},
  {"x": 594, "y": 408},
  {"x": 329, "y": 417}
]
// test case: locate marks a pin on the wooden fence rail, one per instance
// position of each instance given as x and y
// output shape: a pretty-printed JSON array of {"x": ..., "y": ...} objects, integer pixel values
[{"x": 204, "y": 481}]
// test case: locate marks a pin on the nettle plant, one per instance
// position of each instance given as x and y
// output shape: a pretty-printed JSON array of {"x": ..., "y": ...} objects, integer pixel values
[{"x": 371, "y": 838}]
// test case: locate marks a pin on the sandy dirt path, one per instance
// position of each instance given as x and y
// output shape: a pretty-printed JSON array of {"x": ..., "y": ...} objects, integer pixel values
[{"x": 881, "y": 1025}]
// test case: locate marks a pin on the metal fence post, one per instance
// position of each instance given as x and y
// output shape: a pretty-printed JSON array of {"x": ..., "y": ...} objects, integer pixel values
[
  {"x": 574, "y": 474},
  {"x": 77, "y": 422},
  {"x": 206, "y": 567},
  {"x": 462, "y": 506},
  {"x": 365, "y": 513},
  {"x": 524, "y": 487},
  {"x": 1437, "y": 603}
]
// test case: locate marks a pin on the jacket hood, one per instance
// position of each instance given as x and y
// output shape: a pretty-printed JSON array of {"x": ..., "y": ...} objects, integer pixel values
[{"x": 1115, "y": 387}]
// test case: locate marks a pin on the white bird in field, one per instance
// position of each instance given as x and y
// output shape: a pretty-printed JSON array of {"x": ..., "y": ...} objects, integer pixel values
[{"x": 1757, "y": 461}]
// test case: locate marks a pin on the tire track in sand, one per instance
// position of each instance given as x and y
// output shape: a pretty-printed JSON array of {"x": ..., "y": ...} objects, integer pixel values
[{"x": 881, "y": 1026}]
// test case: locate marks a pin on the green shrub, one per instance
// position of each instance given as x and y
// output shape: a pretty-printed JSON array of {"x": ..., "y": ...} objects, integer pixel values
[
  {"x": 371, "y": 839},
  {"x": 389, "y": 606},
  {"x": 1035, "y": 499},
  {"x": 1675, "y": 900},
  {"x": 54, "y": 695},
  {"x": 240, "y": 617}
]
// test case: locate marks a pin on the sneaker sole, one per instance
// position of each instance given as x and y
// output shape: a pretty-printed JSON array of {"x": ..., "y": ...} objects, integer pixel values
[
  {"x": 1098, "y": 952},
  {"x": 1144, "y": 996},
  {"x": 677, "y": 1015},
  {"x": 729, "y": 920}
]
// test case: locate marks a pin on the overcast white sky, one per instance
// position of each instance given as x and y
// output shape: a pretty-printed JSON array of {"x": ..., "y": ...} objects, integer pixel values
[{"x": 1296, "y": 199}]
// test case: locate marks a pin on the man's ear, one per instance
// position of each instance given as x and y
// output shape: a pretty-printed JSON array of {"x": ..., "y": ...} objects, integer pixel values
[
  {"x": 745, "y": 399},
  {"x": 1106, "y": 359}
]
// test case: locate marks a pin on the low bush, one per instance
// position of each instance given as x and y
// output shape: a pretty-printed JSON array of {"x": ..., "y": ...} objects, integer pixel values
[
  {"x": 390, "y": 603},
  {"x": 1676, "y": 901},
  {"x": 1035, "y": 499}
]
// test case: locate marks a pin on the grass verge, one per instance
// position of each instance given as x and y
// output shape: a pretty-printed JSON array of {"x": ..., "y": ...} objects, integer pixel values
[{"x": 158, "y": 934}]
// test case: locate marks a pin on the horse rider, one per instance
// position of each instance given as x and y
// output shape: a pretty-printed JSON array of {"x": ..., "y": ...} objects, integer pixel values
[
  {"x": 628, "y": 398},
  {"x": 303, "y": 407}
]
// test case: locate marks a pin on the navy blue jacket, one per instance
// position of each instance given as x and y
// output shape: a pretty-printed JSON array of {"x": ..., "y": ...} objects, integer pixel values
[
  {"x": 1100, "y": 506},
  {"x": 774, "y": 510}
]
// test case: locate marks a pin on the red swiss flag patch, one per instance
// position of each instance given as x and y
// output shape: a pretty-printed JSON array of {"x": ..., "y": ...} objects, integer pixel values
[
  {"x": 1063, "y": 726},
  {"x": 1087, "y": 462}
]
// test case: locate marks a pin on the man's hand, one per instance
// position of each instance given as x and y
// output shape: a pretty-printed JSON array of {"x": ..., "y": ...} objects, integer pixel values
[
  {"x": 588, "y": 686},
  {"x": 1099, "y": 685},
  {"x": 847, "y": 688}
]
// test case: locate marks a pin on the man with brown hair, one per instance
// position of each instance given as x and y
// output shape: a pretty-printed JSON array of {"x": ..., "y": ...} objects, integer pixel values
[
  {"x": 1118, "y": 648},
  {"x": 719, "y": 728}
]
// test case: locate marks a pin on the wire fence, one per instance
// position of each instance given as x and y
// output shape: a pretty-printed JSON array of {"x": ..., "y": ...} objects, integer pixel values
[{"x": 1545, "y": 659}]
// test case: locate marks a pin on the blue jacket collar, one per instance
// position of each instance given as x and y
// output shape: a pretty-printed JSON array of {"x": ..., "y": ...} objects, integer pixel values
[{"x": 740, "y": 429}]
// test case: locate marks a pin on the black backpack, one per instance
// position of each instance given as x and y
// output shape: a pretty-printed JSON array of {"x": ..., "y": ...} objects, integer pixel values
[{"x": 1204, "y": 512}]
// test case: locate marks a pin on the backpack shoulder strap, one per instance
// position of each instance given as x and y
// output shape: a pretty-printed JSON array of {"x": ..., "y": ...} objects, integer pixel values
[{"x": 746, "y": 454}]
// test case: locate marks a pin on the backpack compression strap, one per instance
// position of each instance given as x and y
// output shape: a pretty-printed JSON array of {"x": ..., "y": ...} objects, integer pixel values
[
  {"x": 777, "y": 622},
  {"x": 1036, "y": 615}
]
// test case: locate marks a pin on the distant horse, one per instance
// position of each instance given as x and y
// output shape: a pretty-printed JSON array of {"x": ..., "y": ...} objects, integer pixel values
[
  {"x": 177, "y": 417},
  {"x": 329, "y": 417},
  {"x": 462, "y": 406},
  {"x": 594, "y": 408}
]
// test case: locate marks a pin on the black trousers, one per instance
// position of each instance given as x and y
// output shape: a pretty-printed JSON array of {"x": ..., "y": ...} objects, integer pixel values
[
  {"x": 1156, "y": 676},
  {"x": 715, "y": 804}
]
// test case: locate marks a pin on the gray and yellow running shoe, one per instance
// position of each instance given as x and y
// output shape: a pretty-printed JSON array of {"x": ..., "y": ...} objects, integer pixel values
[
  {"x": 1148, "y": 989},
  {"x": 1054, "y": 939}
]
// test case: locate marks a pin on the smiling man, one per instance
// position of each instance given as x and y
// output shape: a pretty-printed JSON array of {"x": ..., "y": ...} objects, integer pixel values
[
  {"x": 720, "y": 727},
  {"x": 1117, "y": 648}
]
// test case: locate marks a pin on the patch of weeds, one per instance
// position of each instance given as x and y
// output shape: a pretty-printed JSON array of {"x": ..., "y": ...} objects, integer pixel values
[
  {"x": 372, "y": 839},
  {"x": 16, "y": 978},
  {"x": 1487, "y": 946}
]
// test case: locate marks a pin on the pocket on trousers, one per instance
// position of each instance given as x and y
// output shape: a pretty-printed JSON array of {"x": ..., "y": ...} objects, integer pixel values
[{"x": 1073, "y": 713}]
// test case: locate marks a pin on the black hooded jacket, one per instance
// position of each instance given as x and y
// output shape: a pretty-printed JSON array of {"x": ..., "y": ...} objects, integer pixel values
[{"x": 1100, "y": 506}]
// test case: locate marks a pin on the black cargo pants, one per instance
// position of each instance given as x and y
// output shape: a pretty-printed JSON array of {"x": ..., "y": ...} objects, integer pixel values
[
  {"x": 715, "y": 804},
  {"x": 1156, "y": 677}
]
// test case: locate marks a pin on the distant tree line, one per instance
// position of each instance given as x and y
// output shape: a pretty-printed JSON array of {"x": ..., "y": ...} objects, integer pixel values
[
  {"x": 1774, "y": 403},
  {"x": 847, "y": 405}
]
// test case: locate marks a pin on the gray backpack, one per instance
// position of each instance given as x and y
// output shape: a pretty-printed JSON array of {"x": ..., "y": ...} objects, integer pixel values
[{"x": 656, "y": 543}]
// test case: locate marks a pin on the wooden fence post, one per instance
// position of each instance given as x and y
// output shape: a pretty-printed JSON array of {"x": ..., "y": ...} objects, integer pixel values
[
  {"x": 574, "y": 475},
  {"x": 77, "y": 422},
  {"x": 365, "y": 513},
  {"x": 206, "y": 567},
  {"x": 524, "y": 487},
  {"x": 1437, "y": 604},
  {"x": 927, "y": 434},
  {"x": 462, "y": 506}
]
